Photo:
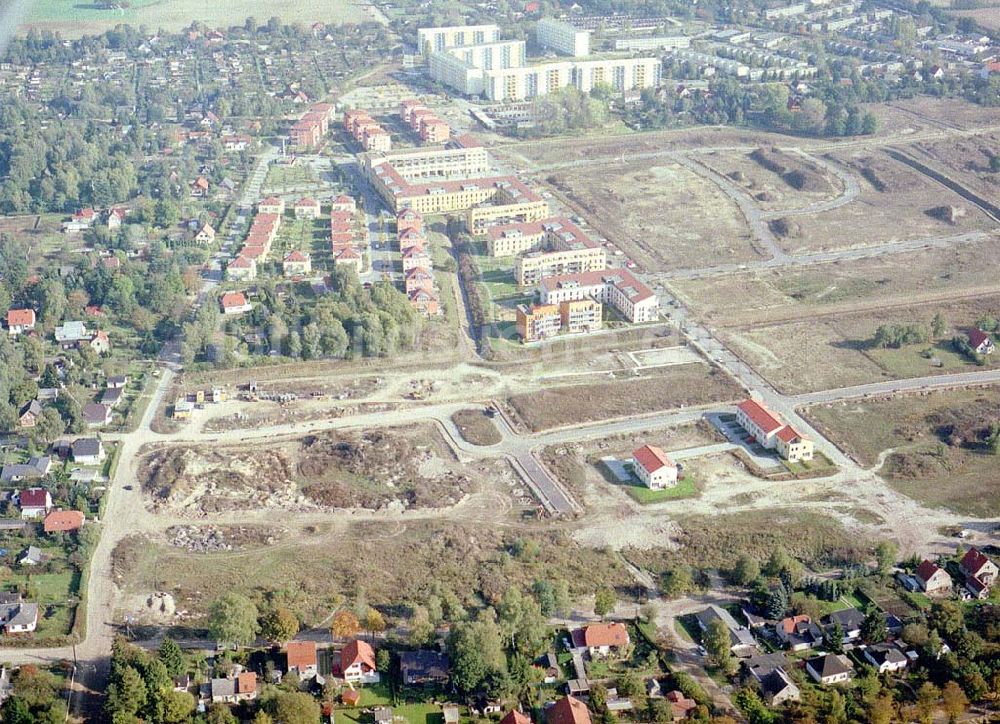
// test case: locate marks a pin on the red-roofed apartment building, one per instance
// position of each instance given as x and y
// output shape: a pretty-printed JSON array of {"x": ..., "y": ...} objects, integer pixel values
[
  {"x": 357, "y": 663},
  {"x": 19, "y": 321},
  {"x": 654, "y": 467},
  {"x": 600, "y": 639},
  {"x": 773, "y": 434}
]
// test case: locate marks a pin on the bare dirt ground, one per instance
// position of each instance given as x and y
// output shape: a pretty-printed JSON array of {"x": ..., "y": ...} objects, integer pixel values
[
  {"x": 895, "y": 203},
  {"x": 845, "y": 286},
  {"x": 664, "y": 388},
  {"x": 771, "y": 189},
  {"x": 408, "y": 467},
  {"x": 966, "y": 159},
  {"x": 660, "y": 214},
  {"x": 786, "y": 353},
  {"x": 932, "y": 447}
]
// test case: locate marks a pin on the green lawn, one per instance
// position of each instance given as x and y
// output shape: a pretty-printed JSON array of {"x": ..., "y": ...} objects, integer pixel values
[
  {"x": 283, "y": 176},
  {"x": 686, "y": 488},
  {"x": 852, "y": 600},
  {"x": 819, "y": 463},
  {"x": 687, "y": 628},
  {"x": 414, "y": 712},
  {"x": 910, "y": 361}
]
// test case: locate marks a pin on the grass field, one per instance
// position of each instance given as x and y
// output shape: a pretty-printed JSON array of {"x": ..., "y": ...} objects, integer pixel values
[
  {"x": 686, "y": 488},
  {"x": 922, "y": 466},
  {"x": 676, "y": 387},
  {"x": 279, "y": 177},
  {"x": 74, "y": 18}
]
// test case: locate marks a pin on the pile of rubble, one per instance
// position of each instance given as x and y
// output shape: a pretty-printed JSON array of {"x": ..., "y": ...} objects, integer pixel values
[{"x": 211, "y": 539}]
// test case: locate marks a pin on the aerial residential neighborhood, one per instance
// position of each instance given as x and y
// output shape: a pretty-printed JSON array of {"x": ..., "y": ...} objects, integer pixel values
[{"x": 531, "y": 362}]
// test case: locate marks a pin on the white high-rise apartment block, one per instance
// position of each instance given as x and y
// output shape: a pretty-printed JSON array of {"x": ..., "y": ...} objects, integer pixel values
[
  {"x": 430, "y": 40},
  {"x": 562, "y": 37}
]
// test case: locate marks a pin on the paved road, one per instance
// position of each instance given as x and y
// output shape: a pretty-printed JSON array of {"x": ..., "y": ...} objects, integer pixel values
[{"x": 916, "y": 384}]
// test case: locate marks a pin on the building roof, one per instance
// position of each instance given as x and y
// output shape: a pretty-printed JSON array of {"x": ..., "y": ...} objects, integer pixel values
[
  {"x": 760, "y": 416},
  {"x": 775, "y": 681},
  {"x": 296, "y": 256},
  {"x": 761, "y": 665},
  {"x": 850, "y": 619},
  {"x": 974, "y": 560},
  {"x": 20, "y": 317},
  {"x": 652, "y": 458},
  {"x": 885, "y": 654},
  {"x": 241, "y": 262},
  {"x": 977, "y": 337},
  {"x": 246, "y": 682},
  {"x": 307, "y": 202},
  {"x": 85, "y": 447},
  {"x": 621, "y": 279},
  {"x": 568, "y": 710},
  {"x": 223, "y": 687},
  {"x": 357, "y": 652},
  {"x": 604, "y": 634},
  {"x": 515, "y": 717},
  {"x": 63, "y": 520},
  {"x": 95, "y": 412},
  {"x": 34, "y": 498},
  {"x": 301, "y": 654},
  {"x": 788, "y": 434},
  {"x": 926, "y": 570},
  {"x": 424, "y": 664},
  {"x": 233, "y": 299},
  {"x": 828, "y": 665}
]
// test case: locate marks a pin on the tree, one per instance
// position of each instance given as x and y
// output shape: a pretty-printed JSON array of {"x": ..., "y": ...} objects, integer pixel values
[
  {"x": 562, "y": 602},
  {"x": 421, "y": 628},
  {"x": 885, "y": 555},
  {"x": 477, "y": 653},
  {"x": 677, "y": 581},
  {"x": 719, "y": 645},
  {"x": 938, "y": 326},
  {"x": 232, "y": 618},
  {"x": 345, "y": 624},
  {"x": 172, "y": 657},
  {"x": 604, "y": 601},
  {"x": 374, "y": 622},
  {"x": 383, "y": 660},
  {"x": 777, "y": 603},
  {"x": 873, "y": 628},
  {"x": 927, "y": 699},
  {"x": 177, "y": 706},
  {"x": 834, "y": 638},
  {"x": 127, "y": 694},
  {"x": 882, "y": 710},
  {"x": 954, "y": 701},
  {"x": 746, "y": 570},
  {"x": 220, "y": 714},
  {"x": 279, "y": 625},
  {"x": 293, "y": 707}
]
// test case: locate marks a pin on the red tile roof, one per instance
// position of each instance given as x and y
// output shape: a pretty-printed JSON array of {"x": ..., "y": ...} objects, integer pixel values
[
  {"x": 240, "y": 262},
  {"x": 34, "y": 498},
  {"x": 515, "y": 717},
  {"x": 652, "y": 458},
  {"x": 977, "y": 337},
  {"x": 63, "y": 520},
  {"x": 233, "y": 299},
  {"x": 568, "y": 711},
  {"x": 621, "y": 279},
  {"x": 246, "y": 682},
  {"x": 21, "y": 318},
  {"x": 760, "y": 416},
  {"x": 357, "y": 652},
  {"x": 301, "y": 654},
  {"x": 926, "y": 570},
  {"x": 974, "y": 560},
  {"x": 605, "y": 634},
  {"x": 296, "y": 255},
  {"x": 788, "y": 434},
  {"x": 789, "y": 624}
]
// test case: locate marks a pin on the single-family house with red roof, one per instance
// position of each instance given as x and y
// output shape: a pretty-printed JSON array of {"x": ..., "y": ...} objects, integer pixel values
[
  {"x": 568, "y": 710},
  {"x": 307, "y": 208},
  {"x": 63, "y": 521},
  {"x": 302, "y": 658},
  {"x": 427, "y": 303},
  {"x": 296, "y": 263},
  {"x": 979, "y": 571},
  {"x": 933, "y": 579},
  {"x": 235, "y": 303},
  {"x": 654, "y": 467},
  {"x": 980, "y": 342},
  {"x": 205, "y": 235},
  {"x": 34, "y": 503},
  {"x": 199, "y": 187},
  {"x": 515, "y": 717},
  {"x": 242, "y": 269},
  {"x": 357, "y": 663},
  {"x": 271, "y": 205},
  {"x": 20, "y": 321},
  {"x": 602, "y": 639}
]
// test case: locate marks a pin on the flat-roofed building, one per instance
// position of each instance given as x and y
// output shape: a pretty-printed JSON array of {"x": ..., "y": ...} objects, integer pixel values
[
  {"x": 452, "y": 36},
  {"x": 562, "y": 37},
  {"x": 621, "y": 74}
]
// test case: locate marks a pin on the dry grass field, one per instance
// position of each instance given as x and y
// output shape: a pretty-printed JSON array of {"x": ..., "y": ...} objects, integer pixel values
[
  {"x": 966, "y": 160},
  {"x": 660, "y": 214},
  {"x": 938, "y": 455},
  {"x": 841, "y": 287},
  {"x": 772, "y": 191},
  {"x": 666, "y": 388},
  {"x": 923, "y": 112},
  {"x": 895, "y": 204},
  {"x": 989, "y": 18},
  {"x": 786, "y": 353},
  {"x": 320, "y": 564}
]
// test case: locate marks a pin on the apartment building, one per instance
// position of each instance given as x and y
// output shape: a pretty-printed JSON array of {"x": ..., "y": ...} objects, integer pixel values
[
  {"x": 514, "y": 239},
  {"x": 619, "y": 288},
  {"x": 540, "y": 321},
  {"x": 435, "y": 39},
  {"x": 453, "y": 72},
  {"x": 562, "y": 37},
  {"x": 492, "y": 56},
  {"x": 621, "y": 74},
  {"x": 532, "y": 267},
  {"x": 767, "y": 429},
  {"x": 551, "y": 247},
  {"x": 451, "y": 163},
  {"x": 480, "y": 219}
]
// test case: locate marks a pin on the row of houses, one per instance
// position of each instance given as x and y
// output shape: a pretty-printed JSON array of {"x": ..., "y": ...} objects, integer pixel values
[
  {"x": 256, "y": 247},
  {"x": 768, "y": 430},
  {"x": 424, "y": 121},
  {"x": 367, "y": 131},
  {"x": 345, "y": 242},
  {"x": 418, "y": 272},
  {"x": 977, "y": 571}
]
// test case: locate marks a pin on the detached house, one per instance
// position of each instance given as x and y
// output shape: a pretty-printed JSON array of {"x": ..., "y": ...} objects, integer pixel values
[
  {"x": 30, "y": 414},
  {"x": 307, "y": 208},
  {"x": 357, "y": 663},
  {"x": 933, "y": 579},
  {"x": 830, "y": 669},
  {"x": 601, "y": 639},
  {"x": 34, "y": 503},
  {"x": 96, "y": 414},
  {"x": 568, "y": 710},
  {"x": 798, "y": 633},
  {"x": 234, "y": 303},
  {"x": 302, "y": 658},
  {"x": 205, "y": 235},
  {"x": 418, "y": 668},
  {"x": 63, "y": 521},
  {"x": 886, "y": 658},
  {"x": 295, "y": 263},
  {"x": 654, "y": 467},
  {"x": 979, "y": 571},
  {"x": 18, "y": 617},
  {"x": 20, "y": 321},
  {"x": 850, "y": 620},
  {"x": 981, "y": 342},
  {"x": 199, "y": 188}
]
